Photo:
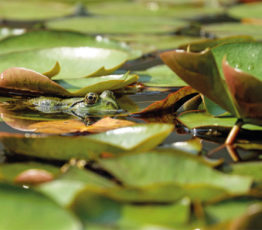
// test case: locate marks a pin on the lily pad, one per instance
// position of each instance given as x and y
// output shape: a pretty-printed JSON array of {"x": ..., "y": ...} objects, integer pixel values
[
  {"x": 201, "y": 119},
  {"x": 109, "y": 212},
  {"x": 9, "y": 172},
  {"x": 233, "y": 29},
  {"x": 160, "y": 76},
  {"x": 171, "y": 167},
  {"x": 35, "y": 210},
  {"x": 40, "y": 39},
  {"x": 117, "y": 25},
  {"x": 34, "y": 10},
  {"x": 75, "y": 62},
  {"x": 136, "y": 138},
  {"x": 251, "y": 10}
]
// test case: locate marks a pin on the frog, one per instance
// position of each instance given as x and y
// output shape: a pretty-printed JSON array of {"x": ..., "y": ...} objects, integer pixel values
[{"x": 92, "y": 104}]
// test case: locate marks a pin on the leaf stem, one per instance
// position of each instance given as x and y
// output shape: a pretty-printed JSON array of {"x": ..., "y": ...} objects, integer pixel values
[{"x": 234, "y": 132}]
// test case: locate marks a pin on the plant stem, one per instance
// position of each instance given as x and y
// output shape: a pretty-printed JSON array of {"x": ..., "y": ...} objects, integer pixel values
[{"x": 234, "y": 132}]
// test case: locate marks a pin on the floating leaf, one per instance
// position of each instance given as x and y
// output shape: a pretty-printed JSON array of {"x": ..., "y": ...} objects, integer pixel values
[
  {"x": 233, "y": 29},
  {"x": 34, "y": 209},
  {"x": 9, "y": 172},
  {"x": 160, "y": 76},
  {"x": 27, "y": 81},
  {"x": 118, "y": 25},
  {"x": 136, "y": 138},
  {"x": 75, "y": 62},
  {"x": 169, "y": 166},
  {"x": 202, "y": 119},
  {"x": 251, "y": 10},
  {"x": 39, "y": 39},
  {"x": 169, "y": 101},
  {"x": 29, "y": 10},
  {"x": 109, "y": 212}
]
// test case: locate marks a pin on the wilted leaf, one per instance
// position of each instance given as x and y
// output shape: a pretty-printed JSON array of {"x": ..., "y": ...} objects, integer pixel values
[
  {"x": 28, "y": 81},
  {"x": 136, "y": 138},
  {"x": 169, "y": 166},
  {"x": 28, "y": 209},
  {"x": 170, "y": 101}
]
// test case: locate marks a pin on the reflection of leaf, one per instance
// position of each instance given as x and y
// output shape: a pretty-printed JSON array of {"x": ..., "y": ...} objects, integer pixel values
[
  {"x": 169, "y": 101},
  {"x": 169, "y": 166},
  {"x": 70, "y": 126},
  {"x": 75, "y": 62},
  {"x": 34, "y": 210},
  {"x": 136, "y": 138}
]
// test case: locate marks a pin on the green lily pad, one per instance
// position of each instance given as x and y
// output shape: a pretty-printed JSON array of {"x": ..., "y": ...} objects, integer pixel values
[
  {"x": 75, "y": 62},
  {"x": 251, "y": 10},
  {"x": 201, "y": 119},
  {"x": 136, "y": 138},
  {"x": 8, "y": 172},
  {"x": 153, "y": 42},
  {"x": 110, "y": 212},
  {"x": 40, "y": 39},
  {"x": 117, "y": 25},
  {"x": 6, "y": 32},
  {"x": 64, "y": 189},
  {"x": 229, "y": 208},
  {"x": 171, "y": 167},
  {"x": 35, "y": 211},
  {"x": 33, "y": 10},
  {"x": 97, "y": 84},
  {"x": 136, "y": 9},
  {"x": 233, "y": 29},
  {"x": 160, "y": 76}
]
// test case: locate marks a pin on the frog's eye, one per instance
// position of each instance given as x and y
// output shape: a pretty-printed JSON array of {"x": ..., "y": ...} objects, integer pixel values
[{"x": 91, "y": 98}]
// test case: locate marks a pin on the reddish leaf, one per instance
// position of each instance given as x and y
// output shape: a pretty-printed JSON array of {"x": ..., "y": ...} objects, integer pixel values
[
  {"x": 24, "y": 80},
  {"x": 34, "y": 176},
  {"x": 246, "y": 91},
  {"x": 169, "y": 101}
]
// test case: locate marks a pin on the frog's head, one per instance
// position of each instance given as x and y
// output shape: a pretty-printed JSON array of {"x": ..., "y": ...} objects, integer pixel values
[{"x": 94, "y": 103}]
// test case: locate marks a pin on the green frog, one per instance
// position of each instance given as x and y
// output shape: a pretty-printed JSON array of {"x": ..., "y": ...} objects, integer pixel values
[{"x": 91, "y": 104}]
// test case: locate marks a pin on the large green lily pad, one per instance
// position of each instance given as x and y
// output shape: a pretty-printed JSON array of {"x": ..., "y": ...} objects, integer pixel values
[
  {"x": 36, "y": 211},
  {"x": 75, "y": 62},
  {"x": 40, "y": 39},
  {"x": 117, "y": 25},
  {"x": 136, "y": 138},
  {"x": 251, "y": 10},
  {"x": 232, "y": 29},
  {"x": 171, "y": 167},
  {"x": 33, "y": 10}
]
